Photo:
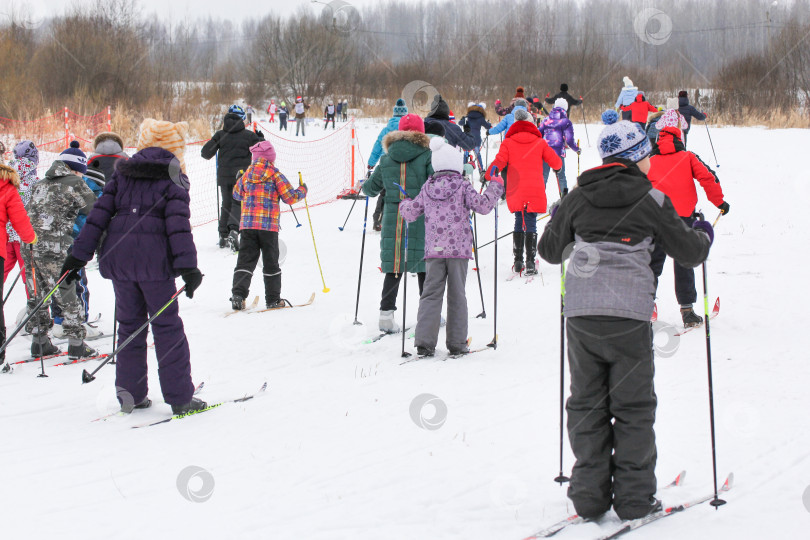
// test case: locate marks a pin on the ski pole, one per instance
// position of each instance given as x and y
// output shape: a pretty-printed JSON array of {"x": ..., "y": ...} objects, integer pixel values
[
  {"x": 297, "y": 223},
  {"x": 405, "y": 291},
  {"x": 717, "y": 502},
  {"x": 493, "y": 241},
  {"x": 115, "y": 325},
  {"x": 582, "y": 106},
  {"x": 16, "y": 279},
  {"x": 90, "y": 377},
  {"x": 561, "y": 479},
  {"x": 33, "y": 311},
  {"x": 347, "y": 217},
  {"x": 580, "y": 151},
  {"x": 34, "y": 281},
  {"x": 710, "y": 142},
  {"x": 301, "y": 183},
  {"x": 494, "y": 342},
  {"x": 718, "y": 219},
  {"x": 483, "y": 314},
  {"x": 360, "y": 273}
]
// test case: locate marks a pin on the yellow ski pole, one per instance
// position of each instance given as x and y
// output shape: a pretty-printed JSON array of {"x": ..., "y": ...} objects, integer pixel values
[{"x": 301, "y": 183}]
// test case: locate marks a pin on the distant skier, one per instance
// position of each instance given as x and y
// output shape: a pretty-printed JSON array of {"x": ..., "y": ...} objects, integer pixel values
[
  {"x": 688, "y": 112},
  {"x": 231, "y": 145},
  {"x": 300, "y": 116},
  {"x": 406, "y": 162},
  {"x": 345, "y": 110},
  {"x": 558, "y": 132},
  {"x": 339, "y": 109},
  {"x": 283, "y": 113},
  {"x": 474, "y": 122},
  {"x": 271, "y": 110},
  {"x": 639, "y": 110},
  {"x": 626, "y": 97},
  {"x": 674, "y": 171},
  {"x": 446, "y": 200},
  {"x": 669, "y": 118},
  {"x": 141, "y": 229},
  {"x": 259, "y": 191},
  {"x": 524, "y": 153},
  {"x": 440, "y": 113},
  {"x": 563, "y": 93},
  {"x": 249, "y": 113},
  {"x": 613, "y": 220},
  {"x": 400, "y": 110},
  {"x": 329, "y": 114}
]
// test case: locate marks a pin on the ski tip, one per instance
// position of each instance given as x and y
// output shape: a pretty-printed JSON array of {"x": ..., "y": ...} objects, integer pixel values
[
  {"x": 680, "y": 479},
  {"x": 716, "y": 308},
  {"x": 264, "y": 387},
  {"x": 728, "y": 483}
]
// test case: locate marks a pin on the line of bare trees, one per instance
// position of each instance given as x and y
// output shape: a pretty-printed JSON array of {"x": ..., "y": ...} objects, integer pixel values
[{"x": 744, "y": 56}]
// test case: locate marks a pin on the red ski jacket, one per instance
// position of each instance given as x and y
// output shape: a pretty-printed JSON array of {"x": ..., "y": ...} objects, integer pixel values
[
  {"x": 11, "y": 207},
  {"x": 522, "y": 154},
  {"x": 639, "y": 109},
  {"x": 674, "y": 171}
]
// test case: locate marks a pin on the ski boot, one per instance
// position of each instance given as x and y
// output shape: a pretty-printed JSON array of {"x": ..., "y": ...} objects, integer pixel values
[
  {"x": 518, "y": 239},
  {"x": 387, "y": 323},
  {"x": 233, "y": 241},
  {"x": 223, "y": 242},
  {"x": 41, "y": 346},
  {"x": 127, "y": 408},
  {"x": 459, "y": 352},
  {"x": 195, "y": 405},
  {"x": 237, "y": 302},
  {"x": 531, "y": 253},
  {"x": 81, "y": 350},
  {"x": 280, "y": 303},
  {"x": 425, "y": 352},
  {"x": 690, "y": 318}
]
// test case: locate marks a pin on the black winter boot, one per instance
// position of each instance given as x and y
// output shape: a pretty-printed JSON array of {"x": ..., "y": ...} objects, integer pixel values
[
  {"x": 42, "y": 346},
  {"x": 223, "y": 242},
  {"x": 82, "y": 350},
  {"x": 531, "y": 253},
  {"x": 237, "y": 302},
  {"x": 196, "y": 404},
  {"x": 518, "y": 239},
  {"x": 690, "y": 318},
  {"x": 233, "y": 241}
]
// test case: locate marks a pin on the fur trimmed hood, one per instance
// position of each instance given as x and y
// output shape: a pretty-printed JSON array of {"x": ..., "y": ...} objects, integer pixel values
[
  {"x": 419, "y": 139},
  {"x": 9, "y": 174},
  {"x": 476, "y": 108},
  {"x": 112, "y": 139}
]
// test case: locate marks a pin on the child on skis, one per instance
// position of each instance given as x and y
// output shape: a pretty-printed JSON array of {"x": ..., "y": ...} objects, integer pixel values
[
  {"x": 406, "y": 162},
  {"x": 271, "y": 110},
  {"x": 300, "y": 116},
  {"x": 626, "y": 97},
  {"x": 283, "y": 113},
  {"x": 524, "y": 153},
  {"x": 476, "y": 119},
  {"x": 400, "y": 110},
  {"x": 231, "y": 145},
  {"x": 25, "y": 162},
  {"x": 446, "y": 200},
  {"x": 144, "y": 212},
  {"x": 639, "y": 110},
  {"x": 260, "y": 189},
  {"x": 558, "y": 132},
  {"x": 12, "y": 213},
  {"x": 55, "y": 203},
  {"x": 689, "y": 112},
  {"x": 329, "y": 114},
  {"x": 612, "y": 219},
  {"x": 673, "y": 171}
]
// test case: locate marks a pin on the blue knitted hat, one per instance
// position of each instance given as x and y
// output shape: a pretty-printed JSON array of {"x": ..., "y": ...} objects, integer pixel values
[
  {"x": 400, "y": 109},
  {"x": 236, "y": 109},
  {"x": 624, "y": 140},
  {"x": 610, "y": 117},
  {"x": 74, "y": 157}
]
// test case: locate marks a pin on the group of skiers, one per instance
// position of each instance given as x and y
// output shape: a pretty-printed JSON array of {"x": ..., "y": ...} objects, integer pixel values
[
  {"x": 632, "y": 211},
  {"x": 331, "y": 113}
]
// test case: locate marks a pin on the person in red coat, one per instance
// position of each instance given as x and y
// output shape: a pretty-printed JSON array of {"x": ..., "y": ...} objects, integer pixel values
[
  {"x": 523, "y": 153},
  {"x": 674, "y": 171},
  {"x": 12, "y": 211},
  {"x": 639, "y": 110}
]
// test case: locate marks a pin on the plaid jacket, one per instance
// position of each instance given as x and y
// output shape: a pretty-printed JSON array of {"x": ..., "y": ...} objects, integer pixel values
[{"x": 259, "y": 190}]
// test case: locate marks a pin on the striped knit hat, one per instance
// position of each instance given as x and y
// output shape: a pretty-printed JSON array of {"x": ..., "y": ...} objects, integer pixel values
[
  {"x": 166, "y": 135},
  {"x": 74, "y": 158}
]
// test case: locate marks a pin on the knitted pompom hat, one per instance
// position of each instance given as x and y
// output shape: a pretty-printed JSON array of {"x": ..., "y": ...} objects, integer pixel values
[
  {"x": 522, "y": 116},
  {"x": 624, "y": 140},
  {"x": 74, "y": 157},
  {"x": 563, "y": 87},
  {"x": 627, "y": 82},
  {"x": 400, "y": 108},
  {"x": 412, "y": 122},
  {"x": 445, "y": 157},
  {"x": 520, "y": 92},
  {"x": 561, "y": 103}
]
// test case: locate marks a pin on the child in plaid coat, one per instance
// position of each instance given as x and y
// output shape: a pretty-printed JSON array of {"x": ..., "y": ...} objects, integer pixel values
[{"x": 259, "y": 190}]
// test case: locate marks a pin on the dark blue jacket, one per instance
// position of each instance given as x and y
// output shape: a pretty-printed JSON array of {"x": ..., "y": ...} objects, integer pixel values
[
  {"x": 145, "y": 214},
  {"x": 476, "y": 119},
  {"x": 688, "y": 111}
]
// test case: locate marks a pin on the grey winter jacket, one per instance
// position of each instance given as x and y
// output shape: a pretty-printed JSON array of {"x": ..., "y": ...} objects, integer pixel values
[{"x": 610, "y": 225}]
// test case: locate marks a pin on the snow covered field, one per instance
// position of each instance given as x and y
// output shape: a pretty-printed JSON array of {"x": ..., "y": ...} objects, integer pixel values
[{"x": 331, "y": 450}]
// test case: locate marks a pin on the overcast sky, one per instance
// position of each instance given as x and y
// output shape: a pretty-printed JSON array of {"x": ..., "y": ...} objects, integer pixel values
[{"x": 233, "y": 9}]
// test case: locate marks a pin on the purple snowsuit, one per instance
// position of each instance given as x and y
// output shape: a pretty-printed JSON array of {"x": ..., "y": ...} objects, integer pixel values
[
  {"x": 558, "y": 131},
  {"x": 146, "y": 217},
  {"x": 446, "y": 200}
]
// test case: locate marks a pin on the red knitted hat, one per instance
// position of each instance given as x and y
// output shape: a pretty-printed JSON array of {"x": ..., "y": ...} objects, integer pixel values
[{"x": 412, "y": 122}]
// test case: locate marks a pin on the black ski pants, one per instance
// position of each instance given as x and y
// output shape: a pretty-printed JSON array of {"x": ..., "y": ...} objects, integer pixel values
[
  {"x": 378, "y": 210},
  {"x": 611, "y": 413},
  {"x": 391, "y": 288},
  {"x": 252, "y": 244},
  {"x": 231, "y": 211},
  {"x": 685, "y": 290}
]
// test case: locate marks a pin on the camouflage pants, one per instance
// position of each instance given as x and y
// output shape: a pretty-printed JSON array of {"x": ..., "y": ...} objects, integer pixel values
[{"x": 46, "y": 273}]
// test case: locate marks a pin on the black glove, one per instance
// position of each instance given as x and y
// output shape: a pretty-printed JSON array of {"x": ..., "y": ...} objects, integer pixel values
[
  {"x": 724, "y": 208},
  {"x": 72, "y": 265},
  {"x": 467, "y": 128},
  {"x": 259, "y": 133},
  {"x": 192, "y": 277}
]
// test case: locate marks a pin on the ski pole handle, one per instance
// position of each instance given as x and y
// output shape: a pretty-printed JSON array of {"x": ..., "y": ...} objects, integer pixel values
[
  {"x": 401, "y": 190},
  {"x": 718, "y": 219},
  {"x": 300, "y": 179}
]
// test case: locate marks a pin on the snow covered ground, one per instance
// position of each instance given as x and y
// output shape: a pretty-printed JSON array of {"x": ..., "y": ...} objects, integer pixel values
[{"x": 331, "y": 451}]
